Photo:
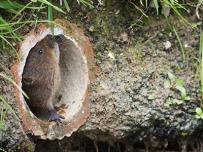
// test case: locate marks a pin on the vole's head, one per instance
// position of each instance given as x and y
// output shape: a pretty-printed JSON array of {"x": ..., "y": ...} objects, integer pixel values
[
  {"x": 42, "y": 58},
  {"x": 45, "y": 51}
]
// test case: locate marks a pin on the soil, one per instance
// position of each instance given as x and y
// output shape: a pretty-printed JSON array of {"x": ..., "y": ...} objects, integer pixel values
[{"x": 130, "y": 108}]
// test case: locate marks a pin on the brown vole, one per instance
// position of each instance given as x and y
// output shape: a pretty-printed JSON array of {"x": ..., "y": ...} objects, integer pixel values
[{"x": 41, "y": 76}]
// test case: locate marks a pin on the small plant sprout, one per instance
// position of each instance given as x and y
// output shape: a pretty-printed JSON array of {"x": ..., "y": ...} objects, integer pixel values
[
  {"x": 173, "y": 102},
  {"x": 178, "y": 85},
  {"x": 199, "y": 113},
  {"x": 184, "y": 134}
]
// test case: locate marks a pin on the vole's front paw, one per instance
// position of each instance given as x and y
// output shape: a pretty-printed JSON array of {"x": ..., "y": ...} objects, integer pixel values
[{"x": 56, "y": 117}]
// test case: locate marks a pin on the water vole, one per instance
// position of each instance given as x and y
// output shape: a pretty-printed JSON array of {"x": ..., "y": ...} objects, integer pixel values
[{"x": 41, "y": 76}]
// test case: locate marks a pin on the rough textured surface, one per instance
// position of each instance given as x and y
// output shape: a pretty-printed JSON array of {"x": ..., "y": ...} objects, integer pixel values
[
  {"x": 128, "y": 99},
  {"x": 129, "y": 92},
  {"x": 12, "y": 135}
]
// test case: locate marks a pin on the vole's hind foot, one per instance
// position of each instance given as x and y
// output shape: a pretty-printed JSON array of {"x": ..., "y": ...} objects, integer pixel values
[{"x": 56, "y": 117}]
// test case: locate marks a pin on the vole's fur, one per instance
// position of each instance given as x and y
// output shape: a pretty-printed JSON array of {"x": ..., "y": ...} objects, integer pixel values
[{"x": 41, "y": 76}]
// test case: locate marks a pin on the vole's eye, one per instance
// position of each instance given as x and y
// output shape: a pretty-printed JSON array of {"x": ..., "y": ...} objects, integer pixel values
[{"x": 40, "y": 51}]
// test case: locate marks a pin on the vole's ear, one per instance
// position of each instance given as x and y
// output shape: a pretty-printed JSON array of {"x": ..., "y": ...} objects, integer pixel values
[
  {"x": 50, "y": 41},
  {"x": 59, "y": 38}
]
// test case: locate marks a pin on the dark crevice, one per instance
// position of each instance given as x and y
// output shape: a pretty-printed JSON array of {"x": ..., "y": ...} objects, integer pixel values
[{"x": 81, "y": 143}]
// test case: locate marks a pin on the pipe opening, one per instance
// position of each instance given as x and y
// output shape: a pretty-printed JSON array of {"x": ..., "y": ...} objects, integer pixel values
[{"x": 74, "y": 80}]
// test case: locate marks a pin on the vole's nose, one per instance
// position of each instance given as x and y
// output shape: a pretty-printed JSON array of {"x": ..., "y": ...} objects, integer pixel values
[{"x": 59, "y": 38}]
